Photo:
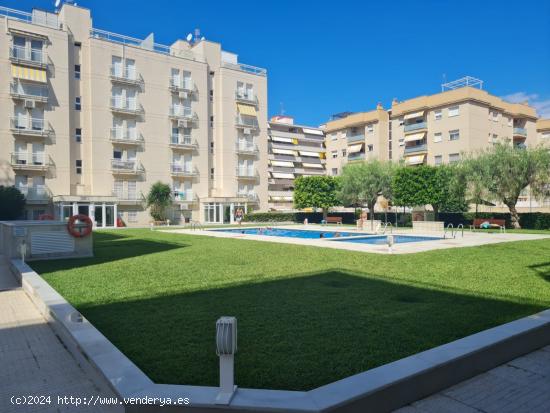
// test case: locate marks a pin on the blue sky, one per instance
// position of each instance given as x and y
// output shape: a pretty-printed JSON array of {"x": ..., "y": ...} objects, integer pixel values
[{"x": 323, "y": 59}]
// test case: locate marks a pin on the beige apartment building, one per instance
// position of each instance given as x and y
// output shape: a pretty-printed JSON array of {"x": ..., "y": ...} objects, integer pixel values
[
  {"x": 543, "y": 131},
  {"x": 92, "y": 119},
  {"x": 293, "y": 151}
]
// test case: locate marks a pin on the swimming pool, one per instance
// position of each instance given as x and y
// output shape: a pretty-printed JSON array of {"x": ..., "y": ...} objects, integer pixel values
[
  {"x": 290, "y": 233},
  {"x": 383, "y": 239}
]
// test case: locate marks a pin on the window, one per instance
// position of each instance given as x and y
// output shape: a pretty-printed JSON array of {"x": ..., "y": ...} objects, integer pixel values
[
  {"x": 212, "y": 173},
  {"x": 454, "y": 111},
  {"x": 132, "y": 216},
  {"x": 78, "y": 164},
  {"x": 454, "y": 135},
  {"x": 494, "y": 138},
  {"x": 78, "y": 135},
  {"x": 211, "y": 147},
  {"x": 454, "y": 157},
  {"x": 77, "y": 44},
  {"x": 438, "y": 137},
  {"x": 334, "y": 136},
  {"x": 77, "y": 71},
  {"x": 334, "y": 154},
  {"x": 117, "y": 154},
  {"x": 401, "y": 142},
  {"x": 495, "y": 116},
  {"x": 334, "y": 171},
  {"x": 545, "y": 135},
  {"x": 344, "y": 152},
  {"x": 77, "y": 104},
  {"x": 370, "y": 148},
  {"x": 370, "y": 128},
  {"x": 438, "y": 114},
  {"x": 438, "y": 159}
]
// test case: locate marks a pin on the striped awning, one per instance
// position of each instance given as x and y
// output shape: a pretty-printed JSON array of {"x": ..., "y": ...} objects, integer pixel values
[
  {"x": 414, "y": 115},
  {"x": 312, "y": 165},
  {"x": 355, "y": 148},
  {"x": 310, "y": 154},
  {"x": 28, "y": 73},
  {"x": 415, "y": 137},
  {"x": 281, "y": 139},
  {"x": 281, "y": 175},
  {"x": 415, "y": 160},
  {"x": 285, "y": 164},
  {"x": 246, "y": 109},
  {"x": 283, "y": 151}
]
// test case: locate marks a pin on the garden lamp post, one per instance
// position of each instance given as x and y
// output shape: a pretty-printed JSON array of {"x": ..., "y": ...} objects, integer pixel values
[{"x": 226, "y": 347}]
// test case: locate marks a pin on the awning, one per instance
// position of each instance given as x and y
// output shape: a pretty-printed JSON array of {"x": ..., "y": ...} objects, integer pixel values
[
  {"x": 415, "y": 137},
  {"x": 415, "y": 160},
  {"x": 283, "y": 151},
  {"x": 280, "y": 139},
  {"x": 246, "y": 109},
  {"x": 28, "y": 73},
  {"x": 313, "y": 131},
  {"x": 311, "y": 154},
  {"x": 286, "y": 164},
  {"x": 414, "y": 115},
  {"x": 355, "y": 148},
  {"x": 287, "y": 198},
  {"x": 312, "y": 165},
  {"x": 282, "y": 175}
]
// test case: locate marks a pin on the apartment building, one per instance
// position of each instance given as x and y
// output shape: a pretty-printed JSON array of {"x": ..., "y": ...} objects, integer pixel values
[
  {"x": 543, "y": 132},
  {"x": 92, "y": 119},
  {"x": 293, "y": 151}
]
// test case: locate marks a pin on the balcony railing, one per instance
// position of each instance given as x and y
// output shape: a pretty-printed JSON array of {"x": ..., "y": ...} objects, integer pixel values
[
  {"x": 35, "y": 193},
  {"x": 179, "y": 169},
  {"x": 251, "y": 196},
  {"x": 356, "y": 156},
  {"x": 246, "y": 68},
  {"x": 125, "y": 75},
  {"x": 183, "y": 196},
  {"x": 416, "y": 148},
  {"x": 21, "y": 90},
  {"x": 126, "y": 105},
  {"x": 28, "y": 56},
  {"x": 127, "y": 196},
  {"x": 246, "y": 148},
  {"x": 246, "y": 172},
  {"x": 522, "y": 132},
  {"x": 125, "y": 166},
  {"x": 356, "y": 138},
  {"x": 246, "y": 97},
  {"x": 30, "y": 160},
  {"x": 181, "y": 112},
  {"x": 129, "y": 136},
  {"x": 183, "y": 141},
  {"x": 246, "y": 122},
  {"x": 23, "y": 125},
  {"x": 185, "y": 84},
  {"x": 416, "y": 126}
]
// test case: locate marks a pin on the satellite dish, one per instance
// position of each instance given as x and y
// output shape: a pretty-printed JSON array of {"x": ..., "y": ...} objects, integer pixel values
[
  {"x": 203, "y": 38},
  {"x": 189, "y": 37},
  {"x": 57, "y": 2}
]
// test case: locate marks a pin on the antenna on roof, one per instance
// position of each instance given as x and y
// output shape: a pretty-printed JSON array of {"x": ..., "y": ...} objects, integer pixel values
[
  {"x": 197, "y": 35},
  {"x": 444, "y": 76}
]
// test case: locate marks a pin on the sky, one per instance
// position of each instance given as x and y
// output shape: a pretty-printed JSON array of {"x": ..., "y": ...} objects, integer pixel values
[{"x": 323, "y": 58}]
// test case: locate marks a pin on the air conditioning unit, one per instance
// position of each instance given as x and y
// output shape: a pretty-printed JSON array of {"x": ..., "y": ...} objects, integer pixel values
[
  {"x": 247, "y": 131},
  {"x": 183, "y": 123},
  {"x": 30, "y": 104},
  {"x": 182, "y": 95},
  {"x": 184, "y": 207}
]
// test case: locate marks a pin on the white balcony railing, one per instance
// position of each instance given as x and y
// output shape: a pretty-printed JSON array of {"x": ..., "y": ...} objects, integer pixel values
[
  {"x": 251, "y": 196},
  {"x": 246, "y": 172},
  {"x": 125, "y": 166},
  {"x": 180, "y": 111},
  {"x": 246, "y": 148},
  {"x": 29, "y": 160},
  {"x": 123, "y": 195},
  {"x": 125, "y": 74},
  {"x": 29, "y": 126},
  {"x": 28, "y": 91},
  {"x": 35, "y": 192},
  {"x": 124, "y": 135},
  {"x": 183, "y": 141},
  {"x": 185, "y": 84},
  {"x": 130, "y": 105},
  {"x": 246, "y": 122},
  {"x": 181, "y": 169},
  {"x": 35, "y": 57},
  {"x": 247, "y": 97},
  {"x": 183, "y": 196}
]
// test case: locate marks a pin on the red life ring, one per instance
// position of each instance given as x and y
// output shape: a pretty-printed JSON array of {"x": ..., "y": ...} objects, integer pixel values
[
  {"x": 45, "y": 217},
  {"x": 80, "y": 226}
]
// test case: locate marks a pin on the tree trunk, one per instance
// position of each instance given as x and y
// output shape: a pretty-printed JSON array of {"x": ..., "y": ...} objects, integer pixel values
[
  {"x": 325, "y": 213},
  {"x": 371, "y": 211},
  {"x": 475, "y": 215},
  {"x": 436, "y": 212},
  {"x": 514, "y": 216}
]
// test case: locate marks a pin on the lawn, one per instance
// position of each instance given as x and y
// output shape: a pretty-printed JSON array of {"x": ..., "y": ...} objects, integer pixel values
[{"x": 307, "y": 316}]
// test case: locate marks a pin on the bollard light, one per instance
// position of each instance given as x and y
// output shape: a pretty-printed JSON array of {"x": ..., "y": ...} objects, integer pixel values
[{"x": 226, "y": 347}]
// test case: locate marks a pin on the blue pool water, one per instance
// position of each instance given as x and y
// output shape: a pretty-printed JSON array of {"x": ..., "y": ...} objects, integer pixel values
[
  {"x": 291, "y": 233},
  {"x": 383, "y": 239}
]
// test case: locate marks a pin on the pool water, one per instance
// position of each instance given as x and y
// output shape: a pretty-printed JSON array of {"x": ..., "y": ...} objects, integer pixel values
[
  {"x": 290, "y": 233},
  {"x": 383, "y": 239}
]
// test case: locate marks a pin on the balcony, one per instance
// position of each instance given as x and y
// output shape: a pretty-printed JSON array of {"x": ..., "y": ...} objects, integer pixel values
[
  {"x": 248, "y": 98},
  {"x": 28, "y": 57},
  {"x": 27, "y": 91},
  {"x": 126, "y": 136},
  {"x": 416, "y": 148},
  {"x": 359, "y": 156},
  {"x": 416, "y": 126},
  {"x": 128, "y": 106},
  {"x": 183, "y": 170},
  {"x": 182, "y": 112},
  {"x": 127, "y": 197},
  {"x": 28, "y": 161},
  {"x": 38, "y": 194},
  {"x": 183, "y": 142},
  {"x": 242, "y": 122},
  {"x": 520, "y": 132},
  {"x": 126, "y": 167},
  {"x": 250, "y": 196},
  {"x": 185, "y": 84},
  {"x": 26, "y": 126},
  {"x": 243, "y": 148},
  {"x": 246, "y": 173},
  {"x": 126, "y": 75},
  {"x": 356, "y": 138},
  {"x": 183, "y": 196}
]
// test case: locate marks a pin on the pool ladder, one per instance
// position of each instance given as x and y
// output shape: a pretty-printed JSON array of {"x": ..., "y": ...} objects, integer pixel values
[
  {"x": 454, "y": 230},
  {"x": 196, "y": 225},
  {"x": 386, "y": 224}
]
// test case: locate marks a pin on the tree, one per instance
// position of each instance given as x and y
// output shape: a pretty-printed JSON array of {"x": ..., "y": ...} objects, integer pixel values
[
  {"x": 362, "y": 183},
  {"x": 471, "y": 175},
  {"x": 507, "y": 171},
  {"x": 316, "y": 192},
  {"x": 12, "y": 203},
  {"x": 159, "y": 199}
]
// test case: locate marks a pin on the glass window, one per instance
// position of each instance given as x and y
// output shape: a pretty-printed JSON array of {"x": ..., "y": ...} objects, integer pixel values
[
  {"x": 77, "y": 103},
  {"x": 334, "y": 171},
  {"x": 344, "y": 152},
  {"x": 117, "y": 154},
  {"x": 370, "y": 128},
  {"x": 78, "y": 135},
  {"x": 77, "y": 71},
  {"x": 454, "y": 111},
  {"x": 438, "y": 137},
  {"x": 370, "y": 148},
  {"x": 334, "y": 154},
  {"x": 454, "y": 157},
  {"x": 454, "y": 135},
  {"x": 438, "y": 159},
  {"x": 132, "y": 216},
  {"x": 438, "y": 115},
  {"x": 78, "y": 164}
]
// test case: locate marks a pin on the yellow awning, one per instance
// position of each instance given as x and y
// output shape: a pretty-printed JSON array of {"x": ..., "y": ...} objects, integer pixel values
[
  {"x": 28, "y": 73},
  {"x": 312, "y": 165},
  {"x": 246, "y": 109},
  {"x": 285, "y": 164},
  {"x": 415, "y": 160},
  {"x": 278, "y": 151},
  {"x": 414, "y": 115},
  {"x": 311, "y": 154},
  {"x": 415, "y": 137},
  {"x": 355, "y": 148}
]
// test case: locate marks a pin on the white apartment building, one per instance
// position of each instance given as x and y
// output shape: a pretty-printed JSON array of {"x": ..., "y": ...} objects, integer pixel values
[
  {"x": 294, "y": 150},
  {"x": 92, "y": 119}
]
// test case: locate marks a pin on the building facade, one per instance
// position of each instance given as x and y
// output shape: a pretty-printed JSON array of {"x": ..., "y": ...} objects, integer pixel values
[
  {"x": 293, "y": 151},
  {"x": 92, "y": 119}
]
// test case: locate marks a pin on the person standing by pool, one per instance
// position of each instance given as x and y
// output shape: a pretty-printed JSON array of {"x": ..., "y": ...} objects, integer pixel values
[{"x": 239, "y": 216}]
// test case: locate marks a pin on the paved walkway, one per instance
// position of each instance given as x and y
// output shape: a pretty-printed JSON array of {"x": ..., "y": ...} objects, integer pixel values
[
  {"x": 33, "y": 361},
  {"x": 520, "y": 386}
]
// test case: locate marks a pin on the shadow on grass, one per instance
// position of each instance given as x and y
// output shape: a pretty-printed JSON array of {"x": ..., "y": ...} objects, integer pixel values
[
  {"x": 543, "y": 270},
  {"x": 295, "y": 333}
]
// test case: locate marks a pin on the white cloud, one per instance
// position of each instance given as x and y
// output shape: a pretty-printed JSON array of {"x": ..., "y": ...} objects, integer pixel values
[{"x": 542, "y": 106}]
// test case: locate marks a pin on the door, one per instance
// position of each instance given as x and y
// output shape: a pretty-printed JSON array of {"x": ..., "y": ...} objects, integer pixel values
[
  {"x": 98, "y": 216},
  {"x": 38, "y": 153},
  {"x": 21, "y": 153},
  {"x": 117, "y": 66},
  {"x": 130, "y": 67},
  {"x": 227, "y": 214},
  {"x": 39, "y": 186},
  {"x": 175, "y": 77},
  {"x": 109, "y": 215}
]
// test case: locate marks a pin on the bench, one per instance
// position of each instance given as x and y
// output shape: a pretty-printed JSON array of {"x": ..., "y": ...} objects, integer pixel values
[
  {"x": 332, "y": 220},
  {"x": 493, "y": 222}
]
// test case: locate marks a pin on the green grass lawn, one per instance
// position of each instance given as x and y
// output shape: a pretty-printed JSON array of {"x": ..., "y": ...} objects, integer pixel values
[{"x": 307, "y": 316}]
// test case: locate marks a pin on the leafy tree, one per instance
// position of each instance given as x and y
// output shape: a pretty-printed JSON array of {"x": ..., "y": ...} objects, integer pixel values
[
  {"x": 12, "y": 203},
  {"x": 362, "y": 183},
  {"x": 316, "y": 192},
  {"x": 506, "y": 171},
  {"x": 158, "y": 200},
  {"x": 471, "y": 175}
]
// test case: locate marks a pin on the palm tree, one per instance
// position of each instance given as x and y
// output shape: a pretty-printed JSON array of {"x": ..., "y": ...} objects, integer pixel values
[{"x": 159, "y": 199}]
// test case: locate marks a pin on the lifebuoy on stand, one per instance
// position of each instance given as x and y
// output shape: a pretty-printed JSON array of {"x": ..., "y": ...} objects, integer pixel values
[{"x": 80, "y": 225}]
